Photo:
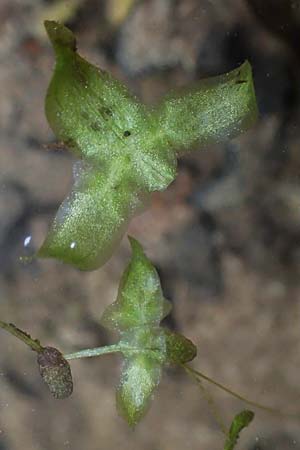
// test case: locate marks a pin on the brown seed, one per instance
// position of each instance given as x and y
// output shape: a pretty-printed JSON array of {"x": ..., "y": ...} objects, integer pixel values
[{"x": 56, "y": 372}]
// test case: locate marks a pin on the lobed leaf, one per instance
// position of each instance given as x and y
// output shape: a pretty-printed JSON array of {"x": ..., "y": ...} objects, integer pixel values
[
  {"x": 131, "y": 150},
  {"x": 146, "y": 346}
]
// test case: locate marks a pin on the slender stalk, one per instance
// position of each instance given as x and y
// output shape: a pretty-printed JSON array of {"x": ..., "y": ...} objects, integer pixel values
[
  {"x": 115, "y": 348},
  {"x": 34, "y": 344},
  {"x": 97, "y": 351},
  {"x": 199, "y": 375},
  {"x": 214, "y": 410}
]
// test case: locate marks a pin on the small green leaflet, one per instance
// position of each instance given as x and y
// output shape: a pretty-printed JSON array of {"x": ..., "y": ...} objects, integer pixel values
[
  {"x": 241, "y": 421},
  {"x": 136, "y": 315},
  {"x": 127, "y": 149}
]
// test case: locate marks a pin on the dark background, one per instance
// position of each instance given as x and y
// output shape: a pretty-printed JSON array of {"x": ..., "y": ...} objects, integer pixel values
[{"x": 225, "y": 236}]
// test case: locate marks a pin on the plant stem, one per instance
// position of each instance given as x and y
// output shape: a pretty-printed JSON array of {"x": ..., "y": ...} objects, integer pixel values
[
  {"x": 115, "y": 348},
  {"x": 199, "y": 375},
  {"x": 97, "y": 351},
  {"x": 34, "y": 344},
  {"x": 214, "y": 410}
]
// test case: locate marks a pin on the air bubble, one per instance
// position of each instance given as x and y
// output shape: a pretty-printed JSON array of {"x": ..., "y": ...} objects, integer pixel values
[{"x": 27, "y": 241}]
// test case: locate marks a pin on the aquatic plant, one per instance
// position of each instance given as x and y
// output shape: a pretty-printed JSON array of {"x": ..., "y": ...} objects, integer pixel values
[
  {"x": 146, "y": 347},
  {"x": 127, "y": 150}
]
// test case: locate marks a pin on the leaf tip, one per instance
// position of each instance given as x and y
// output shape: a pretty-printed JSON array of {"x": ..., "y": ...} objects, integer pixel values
[
  {"x": 244, "y": 418},
  {"x": 135, "y": 246},
  {"x": 240, "y": 421},
  {"x": 60, "y": 36},
  {"x": 243, "y": 79}
]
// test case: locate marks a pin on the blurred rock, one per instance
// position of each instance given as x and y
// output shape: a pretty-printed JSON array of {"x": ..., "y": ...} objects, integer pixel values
[{"x": 164, "y": 40}]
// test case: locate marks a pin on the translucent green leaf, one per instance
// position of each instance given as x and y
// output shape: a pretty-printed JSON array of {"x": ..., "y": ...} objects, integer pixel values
[
  {"x": 139, "y": 379},
  {"x": 87, "y": 108},
  {"x": 130, "y": 149},
  {"x": 92, "y": 219},
  {"x": 241, "y": 421},
  {"x": 140, "y": 300},
  {"x": 97, "y": 117},
  {"x": 214, "y": 109},
  {"x": 146, "y": 346}
]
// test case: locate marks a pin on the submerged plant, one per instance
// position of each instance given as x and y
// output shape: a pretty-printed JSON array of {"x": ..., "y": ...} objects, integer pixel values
[
  {"x": 128, "y": 150},
  {"x": 146, "y": 347}
]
